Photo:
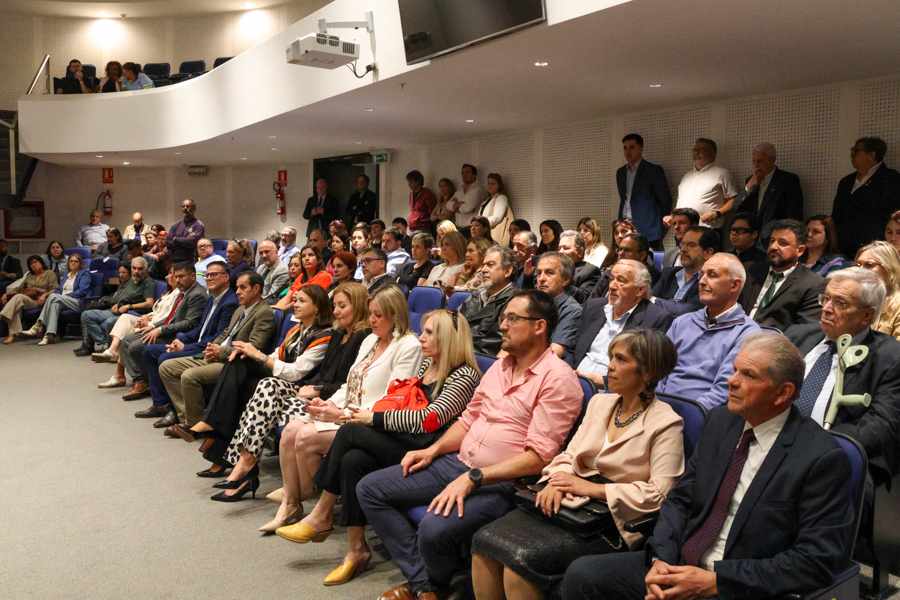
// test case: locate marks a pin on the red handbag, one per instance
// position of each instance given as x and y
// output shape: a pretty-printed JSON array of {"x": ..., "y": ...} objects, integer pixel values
[{"x": 403, "y": 394}]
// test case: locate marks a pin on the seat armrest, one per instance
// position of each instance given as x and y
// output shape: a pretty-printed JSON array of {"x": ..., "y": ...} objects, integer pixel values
[{"x": 643, "y": 525}]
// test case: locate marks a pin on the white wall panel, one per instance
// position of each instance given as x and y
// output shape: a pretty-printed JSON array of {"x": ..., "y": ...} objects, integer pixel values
[
  {"x": 250, "y": 28},
  {"x": 16, "y": 70},
  {"x": 512, "y": 157},
  {"x": 206, "y": 38},
  {"x": 402, "y": 162},
  {"x": 254, "y": 200},
  {"x": 67, "y": 39},
  {"x": 136, "y": 40}
]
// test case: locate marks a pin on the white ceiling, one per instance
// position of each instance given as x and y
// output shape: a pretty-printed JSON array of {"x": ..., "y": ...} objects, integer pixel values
[
  {"x": 599, "y": 65},
  {"x": 133, "y": 8}
]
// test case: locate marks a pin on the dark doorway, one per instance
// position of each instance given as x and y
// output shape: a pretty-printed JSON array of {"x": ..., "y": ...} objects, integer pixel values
[{"x": 341, "y": 173}]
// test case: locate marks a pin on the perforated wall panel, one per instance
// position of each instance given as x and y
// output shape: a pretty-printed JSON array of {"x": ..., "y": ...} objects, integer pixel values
[
  {"x": 16, "y": 69},
  {"x": 402, "y": 162},
  {"x": 804, "y": 128},
  {"x": 879, "y": 115},
  {"x": 447, "y": 160},
  {"x": 205, "y": 37},
  {"x": 576, "y": 171},
  {"x": 512, "y": 157},
  {"x": 254, "y": 200},
  {"x": 207, "y": 192},
  {"x": 139, "y": 40},
  {"x": 65, "y": 39}
]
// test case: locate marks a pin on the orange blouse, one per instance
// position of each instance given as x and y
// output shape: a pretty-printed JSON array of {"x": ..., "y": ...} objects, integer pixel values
[{"x": 321, "y": 279}]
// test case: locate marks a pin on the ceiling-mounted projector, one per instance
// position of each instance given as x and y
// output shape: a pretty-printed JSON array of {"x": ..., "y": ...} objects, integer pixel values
[{"x": 322, "y": 51}]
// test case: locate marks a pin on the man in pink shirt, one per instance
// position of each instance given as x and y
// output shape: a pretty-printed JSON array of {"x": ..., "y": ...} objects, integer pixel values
[{"x": 514, "y": 425}]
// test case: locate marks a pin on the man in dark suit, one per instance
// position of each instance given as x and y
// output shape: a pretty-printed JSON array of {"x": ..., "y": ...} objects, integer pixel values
[
  {"x": 10, "y": 267},
  {"x": 184, "y": 316},
  {"x": 770, "y": 193},
  {"x": 780, "y": 292},
  {"x": 586, "y": 275},
  {"x": 677, "y": 290},
  {"x": 482, "y": 309},
  {"x": 744, "y": 234},
  {"x": 220, "y": 306},
  {"x": 644, "y": 195},
  {"x": 763, "y": 507},
  {"x": 363, "y": 203},
  {"x": 602, "y": 319},
  {"x": 374, "y": 265},
  {"x": 321, "y": 209},
  {"x": 632, "y": 246},
  {"x": 866, "y": 199},
  {"x": 852, "y": 301}
]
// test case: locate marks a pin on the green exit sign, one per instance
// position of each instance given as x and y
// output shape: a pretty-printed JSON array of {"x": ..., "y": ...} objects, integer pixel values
[{"x": 381, "y": 157}]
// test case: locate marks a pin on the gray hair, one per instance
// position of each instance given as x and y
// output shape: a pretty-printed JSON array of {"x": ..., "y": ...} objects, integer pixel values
[
  {"x": 577, "y": 237},
  {"x": 138, "y": 260},
  {"x": 425, "y": 238},
  {"x": 871, "y": 289},
  {"x": 529, "y": 237},
  {"x": 785, "y": 361},
  {"x": 292, "y": 230},
  {"x": 507, "y": 257},
  {"x": 273, "y": 235},
  {"x": 566, "y": 266},
  {"x": 735, "y": 266},
  {"x": 766, "y": 148},
  {"x": 641, "y": 273}
]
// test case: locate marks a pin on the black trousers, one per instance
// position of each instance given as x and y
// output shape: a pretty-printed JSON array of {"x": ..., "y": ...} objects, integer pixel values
[
  {"x": 356, "y": 451},
  {"x": 606, "y": 576},
  {"x": 233, "y": 390}
]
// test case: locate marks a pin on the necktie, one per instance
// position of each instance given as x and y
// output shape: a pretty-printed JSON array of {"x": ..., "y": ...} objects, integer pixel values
[
  {"x": 698, "y": 543},
  {"x": 776, "y": 277},
  {"x": 321, "y": 200},
  {"x": 174, "y": 308},
  {"x": 812, "y": 385},
  {"x": 235, "y": 329}
]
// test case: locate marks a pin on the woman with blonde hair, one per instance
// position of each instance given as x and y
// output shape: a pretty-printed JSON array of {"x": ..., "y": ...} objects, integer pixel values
[
  {"x": 453, "y": 250},
  {"x": 372, "y": 440},
  {"x": 882, "y": 258},
  {"x": 471, "y": 277},
  {"x": 892, "y": 231},
  {"x": 442, "y": 229},
  {"x": 594, "y": 250}
]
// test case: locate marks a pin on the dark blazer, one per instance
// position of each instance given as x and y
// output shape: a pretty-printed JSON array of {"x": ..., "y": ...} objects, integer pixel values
[
  {"x": 793, "y": 528},
  {"x": 332, "y": 209},
  {"x": 593, "y": 318},
  {"x": 665, "y": 290},
  {"x": 484, "y": 320},
  {"x": 380, "y": 283},
  {"x": 583, "y": 281},
  {"x": 336, "y": 363},
  {"x": 795, "y": 303},
  {"x": 220, "y": 318},
  {"x": 670, "y": 256},
  {"x": 236, "y": 272},
  {"x": 650, "y": 199},
  {"x": 601, "y": 290},
  {"x": 186, "y": 316},
  {"x": 783, "y": 199},
  {"x": 860, "y": 216},
  {"x": 751, "y": 254},
  {"x": 362, "y": 208},
  {"x": 11, "y": 264},
  {"x": 876, "y": 427}
]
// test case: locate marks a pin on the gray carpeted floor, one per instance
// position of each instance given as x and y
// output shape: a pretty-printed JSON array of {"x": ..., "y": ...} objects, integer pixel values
[{"x": 95, "y": 503}]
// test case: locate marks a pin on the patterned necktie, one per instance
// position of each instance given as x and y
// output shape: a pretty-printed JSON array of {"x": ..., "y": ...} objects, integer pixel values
[
  {"x": 698, "y": 543},
  {"x": 776, "y": 277},
  {"x": 812, "y": 385}
]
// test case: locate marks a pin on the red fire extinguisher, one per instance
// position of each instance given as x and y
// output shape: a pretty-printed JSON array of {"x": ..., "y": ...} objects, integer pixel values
[
  {"x": 279, "y": 198},
  {"x": 107, "y": 202}
]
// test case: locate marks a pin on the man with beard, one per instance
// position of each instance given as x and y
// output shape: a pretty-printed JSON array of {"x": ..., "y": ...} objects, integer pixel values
[{"x": 676, "y": 290}]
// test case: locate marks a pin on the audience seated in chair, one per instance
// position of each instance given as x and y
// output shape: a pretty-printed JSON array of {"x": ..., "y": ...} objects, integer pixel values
[
  {"x": 594, "y": 250},
  {"x": 484, "y": 307},
  {"x": 882, "y": 259},
  {"x": 681, "y": 219},
  {"x": 10, "y": 267},
  {"x": 763, "y": 508},
  {"x": 207, "y": 256},
  {"x": 397, "y": 257},
  {"x": 708, "y": 340},
  {"x": 620, "y": 228},
  {"x": 586, "y": 275},
  {"x": 744, "y": 234},
  {"x": 676, "y": 290},
  {"x": 158, "y": 250},
  {"x": 306, "y": 268},
  {"x": 55, "y": 258},
  {"x": 343, "y": 263},
  {"x": 631, "y": 246},
  {"x": 374, "y": 262},
  {"x": 628, "y": 452},
  {"x": 138, "y": 230},
  {"x": 274, "y": 272},
  {"x": 93, "y": 234},
  {"x": 72, "y": 289},
  {"x": 602, "y": 319},
  {"x": 553, "y": 275},
  {"x": 288, "y": 247},
  {"x": 30, "y": 292},
  {"x": 373, "y": 439},
  {"x": 526, "y": 403},
  {"x": 74, "y": 80},
  {"x": 822, "y": 251},
  {"x": 471, "y": 277},
  {"x": 524, "y": 246},
  {"x": 113, "y": 247},
  {"x": 236, "y": 255},
  {"x": 453, "y": 250},
  {"x": 416, "y": 272}
]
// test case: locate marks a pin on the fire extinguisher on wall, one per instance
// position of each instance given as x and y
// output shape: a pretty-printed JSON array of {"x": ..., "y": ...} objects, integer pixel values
[
  {"x": 107, "y": 202},
  {"x": 279, "y": 198}
]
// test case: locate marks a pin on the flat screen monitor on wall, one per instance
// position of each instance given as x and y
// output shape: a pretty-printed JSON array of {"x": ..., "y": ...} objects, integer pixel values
[{"x": 435, "y": 27}]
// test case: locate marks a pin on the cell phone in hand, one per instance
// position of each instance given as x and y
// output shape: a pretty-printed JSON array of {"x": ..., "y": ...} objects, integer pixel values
[{"x": 576, "y": 502}]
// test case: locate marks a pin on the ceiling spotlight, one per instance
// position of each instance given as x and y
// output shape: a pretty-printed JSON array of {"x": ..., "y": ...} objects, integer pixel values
[
  {"x": 125, "y": 163},
  {"x": 655, "y": 85},
  {"x": 178, "y": 153},
  {"x": 243, "y": 158},
  {"x": 369, "y": 109},
  {"x": 470, "y": 120},
  {"x": 274, "y": 148},
  {"x": 99, "y": 156},
  {"x": 540, "y": 64},
  {"x": 357, "y": 142},
  {"x": 102, "y": 14},
  {"x": 272, "y": 137},
  {"x": 247, "y": 5}
]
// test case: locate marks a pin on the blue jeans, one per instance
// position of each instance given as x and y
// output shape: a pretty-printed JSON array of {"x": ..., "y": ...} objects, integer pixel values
[
  {"x": 430, "y": 555},
  {"x": 98, "y": 324}
]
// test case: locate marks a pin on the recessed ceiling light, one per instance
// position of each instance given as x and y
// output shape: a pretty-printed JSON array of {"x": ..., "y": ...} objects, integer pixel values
[
  {"x": 540, "y": 64},
  {"x": 274, "y": 148},
  {"x": 102, "y": 14},
  {"x": 99, "y": 156},
  {"x": 357, "y": 142},
  {"x": 125, "y": 163},
  {"x": 247, "y": 5},
  {"x": 178, "y": 153},
  {"x": 243, "y": 158},
  {"x": 273, "y": 137},
  {"x": 470, "y": 120},
  {"x": 369, "y": 109},
  {"x": 655, "y": 85}
]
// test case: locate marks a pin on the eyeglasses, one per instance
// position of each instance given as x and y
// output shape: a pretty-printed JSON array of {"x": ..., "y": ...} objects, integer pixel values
[
  {"x": 366, "y": 261},
  {"x": 701, "y": 151},
  {"x": 214, "y": 274},
  {"x": 838, "y": 303},
  {"x": 868, "y": 265},
  {"x": 740, "y": 230},
  {"x": 204, "y": 245},
  {"x": 854, "y": 150},
  {"x": 513, "y": 318},
  {"x": 454, "y": 313}
]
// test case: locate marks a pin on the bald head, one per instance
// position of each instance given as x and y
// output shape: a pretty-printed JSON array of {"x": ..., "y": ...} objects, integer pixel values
[{"x": 268, "y": 253}]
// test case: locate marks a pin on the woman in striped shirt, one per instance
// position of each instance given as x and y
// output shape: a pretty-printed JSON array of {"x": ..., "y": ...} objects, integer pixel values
[{"x": 369, "y": 441}]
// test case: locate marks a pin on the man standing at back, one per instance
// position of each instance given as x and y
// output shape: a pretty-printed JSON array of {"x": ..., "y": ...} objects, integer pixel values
[
  {"x": 363, "y": 203},
  {"x": 707, "y": 188},
  {"x": 468, "y": 198},
  {"x": 321, "y": 209},
  {"x": 644, "y": 196},
  {"x": 183, "y": 236},
  {"x": 770, "y": 193}
]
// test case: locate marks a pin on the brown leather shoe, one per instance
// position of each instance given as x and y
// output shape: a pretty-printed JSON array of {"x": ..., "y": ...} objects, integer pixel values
[
  {"x": 439, "y": 594},
  {"x": 401, "y": 592},
  {"x": 139, "y": 390},
  {"x": 170, "y": 419},
  {"x": 170, "y": 432},
  {"x": 153, "y": 412}
]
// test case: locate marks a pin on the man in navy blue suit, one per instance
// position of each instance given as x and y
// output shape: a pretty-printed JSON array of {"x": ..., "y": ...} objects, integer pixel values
[
  {"x": 763, "y": 508},
  {"x": 220, "y": 307},
  {"x": 770, "y": 193},
  {"x": 643, "y": 192}
]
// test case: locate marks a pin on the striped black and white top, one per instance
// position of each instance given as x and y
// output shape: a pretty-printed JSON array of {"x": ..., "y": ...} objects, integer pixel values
[{"x": 450, "y": 402}]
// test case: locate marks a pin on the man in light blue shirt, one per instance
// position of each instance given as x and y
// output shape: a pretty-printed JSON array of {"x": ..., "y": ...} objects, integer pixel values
[
  {"x": 133, "y": 79},
  {"x": 288, "y": 245},
  {"x": 207, "y": 257},
  {"x": 91, "y": 236},
  {"x": 392, "y": 245}
]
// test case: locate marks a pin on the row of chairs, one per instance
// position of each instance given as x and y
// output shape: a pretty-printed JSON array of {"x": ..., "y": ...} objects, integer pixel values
[{"x": 159, "y": 73}]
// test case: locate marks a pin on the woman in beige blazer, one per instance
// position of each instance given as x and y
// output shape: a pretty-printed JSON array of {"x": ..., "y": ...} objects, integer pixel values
[{"x": 627, "y": 437}]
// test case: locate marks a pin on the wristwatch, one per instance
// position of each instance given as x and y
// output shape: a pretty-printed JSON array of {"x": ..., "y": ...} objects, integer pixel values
[
  {"x": 476, "y": 476},
  {"x": 718, "y": 214}
]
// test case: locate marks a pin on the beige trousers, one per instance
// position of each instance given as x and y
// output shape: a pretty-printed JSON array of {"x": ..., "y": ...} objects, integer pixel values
[
  {"x": 184, "y": 379},
  {"x": 12, "y": 312}
]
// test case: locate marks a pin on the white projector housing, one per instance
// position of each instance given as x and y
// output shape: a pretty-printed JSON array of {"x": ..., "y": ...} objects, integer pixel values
[{"x": 322, "y": 51}]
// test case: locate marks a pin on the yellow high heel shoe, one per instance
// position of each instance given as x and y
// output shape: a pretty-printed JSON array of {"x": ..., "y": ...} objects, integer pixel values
[
  {"x": 292, "y": 518},
  {"x": 346, "y": 572},
  {"x": 302, "y": 533}
]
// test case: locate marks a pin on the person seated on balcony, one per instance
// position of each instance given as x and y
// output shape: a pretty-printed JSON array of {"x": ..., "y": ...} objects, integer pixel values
[
  {"x": 133, "y": 79},
  {"x": 56, "y": 260},
  {"x": 113, "y": 247},
  {"x": 73, "y": 286},
  {"x": 73, "y": 82},
  {"x": 93, "y": 234},
  {"x": 112, "y": 82},
  {"x": 306, "y": 268},
  {"x": 38, "y": 282}
]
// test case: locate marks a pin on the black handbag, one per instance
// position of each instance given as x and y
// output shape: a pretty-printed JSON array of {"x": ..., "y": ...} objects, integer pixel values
[{"x": 586, "y": 521}]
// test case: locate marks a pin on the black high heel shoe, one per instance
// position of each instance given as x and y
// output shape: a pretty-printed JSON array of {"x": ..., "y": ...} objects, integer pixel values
[
  {"x": 223, "y": 497},
  {"x": 233, "y": 485}
]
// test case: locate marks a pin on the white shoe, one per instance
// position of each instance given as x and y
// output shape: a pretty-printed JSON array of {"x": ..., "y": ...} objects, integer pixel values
[
  {"x": 47, "y": 339},
  {"x": 112, "y": 382},
  {"x": 36, "y": 331}
]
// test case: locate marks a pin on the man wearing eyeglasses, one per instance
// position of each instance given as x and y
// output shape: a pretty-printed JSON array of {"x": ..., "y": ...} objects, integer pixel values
[
  {"x": 514, "y": 425},
  {"x": 865, "y": 199},
  {"x": 850, "y": 304},
  {"x": 275, "y": 273},
  {"x": 632, "y": 246},
  {"x": 207, "y": 257},
  {"x": 374, "y": 265},
  {"x": 677, "y": 290},
  {"x": 779, "y": 291},
  {"x": 744, "y": 233},
  {"x": 707, "y": 188}
]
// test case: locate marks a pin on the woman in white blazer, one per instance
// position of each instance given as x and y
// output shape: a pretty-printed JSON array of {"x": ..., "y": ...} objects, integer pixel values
[
  {"x": 497, "y": 209},
  {"x": 392, "y": 351}
]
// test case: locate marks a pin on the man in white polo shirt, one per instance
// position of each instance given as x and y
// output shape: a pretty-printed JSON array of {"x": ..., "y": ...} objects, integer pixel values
[{"x": 707, "y": 188}]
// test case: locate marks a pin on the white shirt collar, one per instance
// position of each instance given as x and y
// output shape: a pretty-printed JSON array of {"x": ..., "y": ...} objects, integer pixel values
[{"x": 766, "y": 433}]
